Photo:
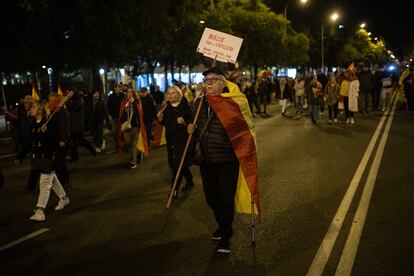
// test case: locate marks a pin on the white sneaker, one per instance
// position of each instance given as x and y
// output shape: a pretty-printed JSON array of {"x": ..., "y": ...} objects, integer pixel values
[
  {"x": 352, "y": 121},
  {"x": 62, "y": 203},
  {"x": 348, "y": 120},
  {"x": 98, "y": 150},
  {"x": 335, "y": 120},
  {"x": 103, "y": 145},
  {"x": 39, "y": 215}
]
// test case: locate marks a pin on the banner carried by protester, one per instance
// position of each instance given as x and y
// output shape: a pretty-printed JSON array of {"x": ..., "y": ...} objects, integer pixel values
[{"x": 220, "y": 46}]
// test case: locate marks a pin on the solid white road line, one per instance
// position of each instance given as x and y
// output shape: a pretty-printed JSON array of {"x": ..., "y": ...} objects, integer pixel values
[
  {"x": 328, "y": 242},
  {"x": 347, "y": 259},
  {"x": 25, "y": 238},
  {"x": 7, "y": 155}
]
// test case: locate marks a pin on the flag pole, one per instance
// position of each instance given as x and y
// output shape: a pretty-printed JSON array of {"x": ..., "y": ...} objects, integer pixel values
[
  {"x": 184, "y": 154},
  {"x": 253, "y": 226}
]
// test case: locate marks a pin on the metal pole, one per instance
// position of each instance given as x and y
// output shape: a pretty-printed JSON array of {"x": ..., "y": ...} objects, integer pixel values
[
  {"x": 286, "y": 8},
  {"x": 323, "y": 61},
  {"x": 4, "y": 98}
]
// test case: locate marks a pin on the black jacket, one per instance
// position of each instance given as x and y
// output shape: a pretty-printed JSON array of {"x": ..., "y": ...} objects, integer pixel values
[
  {"x": 215, "y": 143},
  {"x": 43, "y": 145},
  {"x": 114, "y": 104},
  {"x": 76, "y": 108},
  {"x": 176, "y": 134}
]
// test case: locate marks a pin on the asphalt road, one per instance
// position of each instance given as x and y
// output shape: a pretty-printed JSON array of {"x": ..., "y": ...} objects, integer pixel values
[{"x": 117, "y": 222}]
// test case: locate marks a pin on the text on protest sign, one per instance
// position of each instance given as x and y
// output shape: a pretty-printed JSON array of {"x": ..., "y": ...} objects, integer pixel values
[{"x": 218, "y": 45}]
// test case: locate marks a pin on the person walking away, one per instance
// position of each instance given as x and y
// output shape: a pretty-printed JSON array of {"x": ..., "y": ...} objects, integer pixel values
[
  {"x": 366, "y": 81},
  {"x": 76, "y": 108},
  {"x": 96, "y": 115},
  {"x": 349, "y": 91},
  {"x": 114, "y": 106},
  {"x": 322, "y": 79},
  {"x": 149, "y": 111},
  {"x": 386, "y": 90},
  {"x": 44, "y": 145},
  {"x": 332, "y": 94},
  {"x": 175, "y": 117},
  {"x": 377, "y": 87}
]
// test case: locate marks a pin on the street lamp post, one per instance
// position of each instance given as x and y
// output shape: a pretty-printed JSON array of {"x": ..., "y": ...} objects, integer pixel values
[
  {"x": 286, "y": 9},
  {"x": 333, "y": 18}
]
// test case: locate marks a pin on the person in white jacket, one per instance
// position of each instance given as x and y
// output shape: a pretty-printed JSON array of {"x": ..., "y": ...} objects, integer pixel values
[
  {"x": 299, "y": 93},
  {"x": 350, "y": 92}
]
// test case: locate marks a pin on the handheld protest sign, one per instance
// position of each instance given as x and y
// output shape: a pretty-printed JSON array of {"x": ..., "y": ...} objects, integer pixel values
[{"x": 219, "y": 46}]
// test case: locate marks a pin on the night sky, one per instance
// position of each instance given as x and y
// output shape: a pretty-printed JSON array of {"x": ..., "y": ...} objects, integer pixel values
[{"x": 392, "y": 21}]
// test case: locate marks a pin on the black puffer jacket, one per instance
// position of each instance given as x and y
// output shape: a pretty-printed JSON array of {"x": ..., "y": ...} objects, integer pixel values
[{"x": 215, "y": 143}]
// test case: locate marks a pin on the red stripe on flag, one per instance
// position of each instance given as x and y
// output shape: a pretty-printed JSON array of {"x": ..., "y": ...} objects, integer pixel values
[{"x": 231, "y": 117}]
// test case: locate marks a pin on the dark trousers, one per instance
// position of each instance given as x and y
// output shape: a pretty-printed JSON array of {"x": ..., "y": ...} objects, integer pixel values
[
  {"x": 220, "y": 183},
  {"x": 410, "y": 101},
  {"x": 185, "y": 171},
  {"x": 348, "y": 113},
  {"x": 79, "y": 140},
  {"x": 333, "y": 110},
  {"x": 375, "y": 98},
  {"x": 97, "y": 133}
]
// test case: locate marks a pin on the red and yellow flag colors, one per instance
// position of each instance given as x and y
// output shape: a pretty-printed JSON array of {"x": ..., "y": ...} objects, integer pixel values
[
  {"x": 60, "y": 91},
  {"x": 142, "y": 144},
  {"x": 159, "y": 135},
  {"x": 233, "y": 111},
  {"x": 35, "y": 95}
]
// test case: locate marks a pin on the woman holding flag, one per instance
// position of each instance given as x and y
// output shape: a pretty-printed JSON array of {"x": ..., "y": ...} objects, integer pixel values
[
  {"x": 229, "y": 166},
  {"x": 45, "y": 152},
  {"x": 175, "y": 117}
]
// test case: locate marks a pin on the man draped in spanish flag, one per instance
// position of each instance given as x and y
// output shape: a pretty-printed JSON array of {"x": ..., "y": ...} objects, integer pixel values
[{"x": 229, "y": 168}]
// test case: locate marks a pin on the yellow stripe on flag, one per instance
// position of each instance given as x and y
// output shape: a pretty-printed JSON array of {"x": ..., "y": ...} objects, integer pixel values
[{"x": 35, "y": 96}]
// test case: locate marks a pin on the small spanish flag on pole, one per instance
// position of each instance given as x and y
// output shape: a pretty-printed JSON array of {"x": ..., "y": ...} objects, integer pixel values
[
  {"x": 60, "y": 91},
  {"x": 35, "y": 95}
]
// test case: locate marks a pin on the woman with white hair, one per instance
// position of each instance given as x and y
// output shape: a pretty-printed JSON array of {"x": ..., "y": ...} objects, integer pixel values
[{"x": 175, "y": 117}]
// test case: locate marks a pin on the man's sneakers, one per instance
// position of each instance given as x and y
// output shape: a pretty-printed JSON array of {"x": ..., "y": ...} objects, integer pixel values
[
  {"x": 224, "y": 246},
  {"x": 132, "y": 166},
  {"x": 216, "y": 235},
  {"x": 62, "y": 203},
  {"x": 39, "y": 215}
]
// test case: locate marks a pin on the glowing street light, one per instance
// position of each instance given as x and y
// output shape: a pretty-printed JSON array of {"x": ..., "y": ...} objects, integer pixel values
[
  {"x": 333, "y": 18},
  {"x": 286, "y": 8},
  {"x": 369, "y": 33},
  {"x": 363, "y": 25}
]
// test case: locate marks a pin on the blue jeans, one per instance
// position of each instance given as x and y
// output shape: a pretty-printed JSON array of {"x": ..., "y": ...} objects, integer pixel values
[{"x": 314, "y": 112}]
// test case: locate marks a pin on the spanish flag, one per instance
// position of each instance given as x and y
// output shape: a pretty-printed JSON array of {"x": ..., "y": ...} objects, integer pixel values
[
  {"x": 60, "y": 91},
  {"x": 35, "y": 95},
  {"x": 233, "y": 111},
  {"x": 142, "y": 144},
  {"x": 159, "y": 135},
  {"x": 351, "y": 67}
]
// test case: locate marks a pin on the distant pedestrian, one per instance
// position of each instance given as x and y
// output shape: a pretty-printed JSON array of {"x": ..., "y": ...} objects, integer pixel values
[
  {"x": 332, "y": 94},
  {"x": 314, "y": 95},
  {"x": 366, "y": 81},
  {"x": 349, "y": 92},
  {"x": 114, "y": 106},
  {"x": 96, "y": 115},
  {"x": 299, "y": 93},
  {"x": 283, "y": 93}
]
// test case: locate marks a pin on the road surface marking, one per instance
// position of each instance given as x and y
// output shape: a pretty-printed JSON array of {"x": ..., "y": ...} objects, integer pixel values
[
  {"x": 328, "y": 242},
  {"x": 25, "y": 238},
  {"x": 346, "y": 261},
  {"x": 7, "y": 155}
]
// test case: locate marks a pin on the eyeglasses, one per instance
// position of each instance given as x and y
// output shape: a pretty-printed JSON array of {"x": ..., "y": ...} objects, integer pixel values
[{"x": 212, "y": 80}]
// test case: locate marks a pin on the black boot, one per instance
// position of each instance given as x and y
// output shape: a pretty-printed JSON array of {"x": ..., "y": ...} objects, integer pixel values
[{"x": 188, "y": 185}]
